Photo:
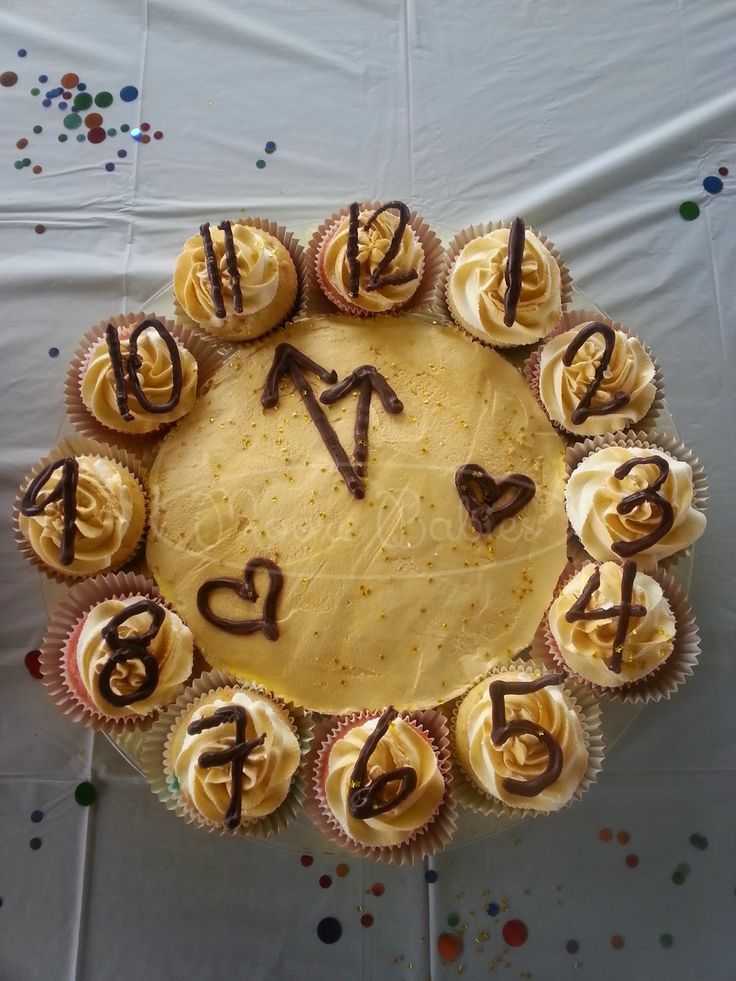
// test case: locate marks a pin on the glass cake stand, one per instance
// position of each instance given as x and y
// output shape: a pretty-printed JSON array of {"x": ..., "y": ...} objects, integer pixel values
[{"x": 301, "y": 835}]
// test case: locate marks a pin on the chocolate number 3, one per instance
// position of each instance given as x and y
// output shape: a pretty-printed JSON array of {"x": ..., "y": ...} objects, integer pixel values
[{"x": 649, "y": 495}]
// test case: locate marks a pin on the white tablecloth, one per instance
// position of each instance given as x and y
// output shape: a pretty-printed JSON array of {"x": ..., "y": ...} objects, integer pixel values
[{"x": 593, "y": 120}]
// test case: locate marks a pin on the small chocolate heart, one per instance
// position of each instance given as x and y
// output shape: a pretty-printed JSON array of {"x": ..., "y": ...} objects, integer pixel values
[
  {"x": 480, "y": 495},
  {"x": 246, "y": 590}
]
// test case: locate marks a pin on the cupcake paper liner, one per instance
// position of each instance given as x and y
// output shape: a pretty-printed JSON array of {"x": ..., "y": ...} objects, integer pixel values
[
  {"x": 469, "y": 794},
  {"x": 208, "y": 359},
  {"x": 226, "y": 344},
  {"x": 458, "y": 243},
  {"x": 569, "y": 321},
  {"x": 667, "y": 677},
  {"x": 430, "y": 839},
  {"x": 577, "y": 452},
  {"x": 161, "y": 780},
  {"x": 78, "y": 446},
  {"x": 63, "y": 624},
  {"x": 423, "y": 299}
]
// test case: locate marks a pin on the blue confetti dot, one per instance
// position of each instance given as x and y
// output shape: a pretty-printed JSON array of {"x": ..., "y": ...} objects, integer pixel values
[
  {"x": 431, "y": 876},
  {"x": 713, "y": 185},
  {"x": 129, "y": 93},
  {"x": 136, "y": 133},
  {"x": 109, "y": 167},
  {"x": 46, "y": 102},
  {"x": 493, "y": 909},
  {"x": 82, "y": 87},
  {"x": 260, "y": 164},
  {"x": 122, "y": 153},
  {"x": 36, "y": 816},
  {"x": 62, "y": 105},
  {"x": 53, "y": 352},
  {"x": 329, "y": 930},
  {"x": 76, "y": 109},
  {"x": 43, "y": 78},
  {"x": 572, "y": 946},
  {"x": 22, "y": 52},
  {"x": 270, "y": 147}
]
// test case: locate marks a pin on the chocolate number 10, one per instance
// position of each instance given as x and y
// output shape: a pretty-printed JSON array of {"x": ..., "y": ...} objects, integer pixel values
[{"x": 133, "y": 362}]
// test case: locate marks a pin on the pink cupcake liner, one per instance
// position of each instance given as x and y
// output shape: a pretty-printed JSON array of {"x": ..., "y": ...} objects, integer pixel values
[
  {"x": 470, "y": 795},
  {"x": 78, "y": 446},
  {"x": 226, "y": 345},
  {"x": 321, "y": 301},
  {"x": 208, "y": 359},
  {"x": 569, "y": 321},
  {"x": 154, "y": 764},
  {"x": 425, "y": 841},
  {"x": 666, "y": 678},
  {"x": 458, "y": 243}
]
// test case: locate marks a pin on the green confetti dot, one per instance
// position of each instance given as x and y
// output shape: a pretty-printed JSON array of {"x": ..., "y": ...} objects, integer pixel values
[
  {"x": 678, "y": 878},
  {"x": 453, "y": 919},
  {"x": 72, "y": 120},
  {"x": 35, "y": 91},
  {"x": 174, "y": 784},
  {"x": 683, "y": 868},
  {"x": 63, "y": 137},
  {"x": 666, "y": 940},
  {"x": 112, "y": 132},
  {"x": 81, "y": 137},
  {"x": 689, "y": 210},
  {"x": 103, "y": 99},
  {"x": 18, "y": 165},
  {"x": 124, "y": 128},
  {"x": 83, "y": 100},
  {"x": 85, "y": 794},
  {"x": 35, "y": 844},
  {"x": 38, "y": 129},
  {"x": 26, "y": 161},
  {"x": 260, "y": 164}
]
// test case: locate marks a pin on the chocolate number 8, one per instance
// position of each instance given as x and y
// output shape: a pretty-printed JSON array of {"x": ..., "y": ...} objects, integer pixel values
[{"x": 131, "y": 649}]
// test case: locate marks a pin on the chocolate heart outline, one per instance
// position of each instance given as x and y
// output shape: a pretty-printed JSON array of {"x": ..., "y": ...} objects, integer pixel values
[
  {"x": 484, "y": 514},
  {"x": 245, "y": 589}
]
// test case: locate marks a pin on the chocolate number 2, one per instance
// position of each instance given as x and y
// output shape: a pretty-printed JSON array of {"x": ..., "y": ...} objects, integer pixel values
[
  {"x": 584, "y": 408},
  {"x": 377, "y": 279}
]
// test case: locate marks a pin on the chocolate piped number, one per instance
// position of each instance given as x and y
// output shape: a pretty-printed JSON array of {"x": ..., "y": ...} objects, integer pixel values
[
  {"x": 134, "y": 362},
  {"x": 133, "y": 648},
  {"x": 624, "y": 611},
  {"x": 245, "y": 589},
  {"x": 512, "y": 272},
  {"x": 377, "y": 280},
  {"x": 584, "y": 408},
  {"x": 64, "y": 491},
  {"x": 501, "y": 731},
  {"x": 367, "y": 380},
  {"x": 489, "y": 502},
  {"x": 213, "y": 269},
  {"x": 649, "y": 495},
  {"x": 364, "y": 794},
  {"x": 235, "y": 756}
]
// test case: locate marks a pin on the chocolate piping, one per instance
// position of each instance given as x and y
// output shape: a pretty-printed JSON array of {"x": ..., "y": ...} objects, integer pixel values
[
  {"x": 512, "y": 273},
  {"x": 352, "y": 251},
  {"x": 213, "y": 270},
  {"x": 650, "y": 496},
  {"x": 131, "y": 649},
  {"x": 502, "y": 730},
  {"x": 375, "y": 281},
  {"x": 134, "y": 363},
  {"x": 363, "y": 790},
  {"x": 246, "y": 590},
  {"x": 66, "y": 491},
  {"x": 369, "y": 380},
  {"x": 236, "y": 755},
  {"x": 116, "y": 362},
  {"x": 288, "y": 360},
  {"x": 479, "y": 492},
  {"x": 584, "y": 409},
  {"x": 232, "y": 265},
  {"x": 625, "y": 611}
]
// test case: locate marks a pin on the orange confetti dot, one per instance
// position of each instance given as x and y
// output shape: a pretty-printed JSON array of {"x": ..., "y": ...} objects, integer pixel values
[
  {"x": 92, "y": 120},
  {"x": 623, "y": 837},
  {"x": 378, "y": 889},
  {"x": 605, "y": 834},
  {"x": 366, "y": 920},
  {"x": 69, "y": 80},
  {"x": 37, "y": 169},
  {"x": 617, "y": 941},
  {"x": 449, "y": 946},
  {"x": 342, "y": 870},
  {"x": 22, "y": 143}
]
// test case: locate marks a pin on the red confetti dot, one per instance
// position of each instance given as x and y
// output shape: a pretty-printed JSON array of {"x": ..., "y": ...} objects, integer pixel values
[
  {"x": 8, "y": 79},
  {"x": 623, "y": 837},
  {"x": 378, "y": 889},
  {"x": 67, "y": 95},
  {"x": 449, "y": 946},
  {"x": 617, "y": 941},
  {"x": 366, "y": 920},
  {"x": 306, "y": 860},
  {"x": 145, "y": 138},
  {"x": 33, "y": 663},
  {"x": 342, "y": 870},
  {"x": 515, "y": 933},
  {"x": 723, "y": 171},
  {"x": 605, "y": 834},
  {"x": 40, "y": 229},
  {"x": 92, "y": 120},
  {"x": 632, "y": 861},
  {"x": 70, "y": 80},
  {"x": 22, "y": 143},
  {"x": 96, "y": 135},
  {"x": 145, "y": 127},
  {"x": 158, "y": 135},
  {"x": 37, "y": 169},
  {"x": 325, "y": 881}
]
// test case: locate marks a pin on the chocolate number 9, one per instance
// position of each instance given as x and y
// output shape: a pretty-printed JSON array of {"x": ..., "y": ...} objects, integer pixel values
[{"x": 649, "y": 495}]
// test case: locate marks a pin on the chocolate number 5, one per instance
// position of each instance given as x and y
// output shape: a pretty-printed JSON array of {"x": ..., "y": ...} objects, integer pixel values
[
  {"x": 649, "y": 495},
  {"x": 502, "y": 731}
]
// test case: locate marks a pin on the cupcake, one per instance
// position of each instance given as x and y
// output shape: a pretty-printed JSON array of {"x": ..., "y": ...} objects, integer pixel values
[
  {"x": 519, "y": 740},
  {"x": 237, "y": 280},
  {"x": 633, "y": 502},
  {"x": 371, "y": 260},
  {"x": 127, "y": 657},
  {"x": 233, "y": 755},
  {"x": 81, "y": 514},
  {"x": 138, "y": 378},
  {"x": 380, "y": 785},
  {"x": 506, "y": 287},
  {"x": 594, "y": 378},
  {"x": 616, "y": 650}
]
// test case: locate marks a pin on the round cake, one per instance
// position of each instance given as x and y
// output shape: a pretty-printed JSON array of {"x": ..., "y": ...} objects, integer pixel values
[{"x": 392, "y": 597}]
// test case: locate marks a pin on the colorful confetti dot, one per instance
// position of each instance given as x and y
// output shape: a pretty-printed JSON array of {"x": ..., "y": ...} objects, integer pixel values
[
  {"x": 81, "y": 137},
  {"x": 493, "y": 909},
  {"x": 449, "y": 946},
  {"x": 32, "y": 661},
  {"x": 135, "y": 133},
  {"x": 145, "y": 138},
  {"x": 632, "y": 861},
  {"x": 124, "y": 128},
  {"x": 112, "y": 131},
  {"x": 122, "y": 153},
  {"x": 325, "y": 881},
  {"x": 35, "y": 844},
  {"x": 43, "y": 79},
  {"x": 22, "y": 52},
  {"x": 22, "y": 143},
  {"x": 103, "y": 99},
  {"x": 53, "y": 352},
  {"x": 97, "y": 135},
  {"x": 689, "y": 210},
  {"x": 260, "y": 164},
  {"x": 36, "y": 816},
  {"x": 109, "y": 167},
  {"x": 40, "y": 229},
  {"x": 431, "y": 876},
  {"x": 72, "y": 121},
  {"x": 92, "y": 120},
  {"x": 81, "y": 86},
  {"x": 8, "y": 79},
  {"x": 38, "y": 129},
  {"x": 145, "y": 127},
  {"x": 623, "y": 837},
  {"x": 270, "y": 147},
  {"x": 713, "y": 185},
  {"x": 35, "y": 92},
  {"x": 83, "y": 100},
  {"x": 26, "y": 161},
  {"x": 62, "y": 137},
  {"x": 453, "y": 919},
  {"x": 723, "y": 171},
  {"x": 46, "y": 103},
  {"x": 666, "y": 940},
  {"x": 329, "y": 930},
  {"x": 174, "y": 785},
  {"x": 85, "y": 794},
  {"x": 378, "y": 888},
  {"x": 515, "y": 933},
  {"x": 366, "y": 920},
  {"x": 342, "y": 870},
  {"x": 158, "y": 135},
  {"x": 62, "y": 106},
  {"x": 129, "y": 93},
  {"x": 70, "y": 80},
  {"x": 617, "y": 941},
  {"x": 306, "y": 860},
  {"x": 37, "y": 169},
  {"x": 572, "y": 946},
  {"x": 699, "y": 841},
  {"x": 67, "y": 95},
  {"x": 605, "y": 834}
]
